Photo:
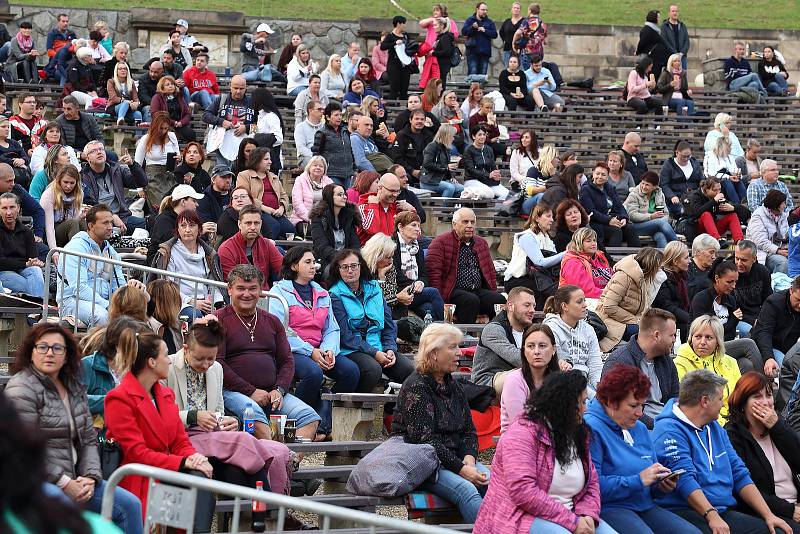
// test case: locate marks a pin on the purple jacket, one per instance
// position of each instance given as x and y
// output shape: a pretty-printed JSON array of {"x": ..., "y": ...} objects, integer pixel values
[{"x": 516, "y": 496}]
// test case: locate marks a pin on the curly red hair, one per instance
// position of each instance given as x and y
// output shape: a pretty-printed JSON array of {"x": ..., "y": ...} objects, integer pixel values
[{"x": 621, "y": 380}]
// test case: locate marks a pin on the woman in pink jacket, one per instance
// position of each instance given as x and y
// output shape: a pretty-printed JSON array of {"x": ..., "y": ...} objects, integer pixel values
[
  {"x": 307, "y": 191},
  {"x": 543, "y": 480},
  {"x": 584, "y": 265},
  {"x": 640, "y": 81}
]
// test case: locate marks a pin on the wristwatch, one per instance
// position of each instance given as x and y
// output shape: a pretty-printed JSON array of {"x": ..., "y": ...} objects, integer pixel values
[
  {"x": 712, "y": 509},
  {"x": 281, "y": 390}
]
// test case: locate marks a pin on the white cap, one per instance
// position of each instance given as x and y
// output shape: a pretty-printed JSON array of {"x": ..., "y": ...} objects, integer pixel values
[
  {"x": 264, "y": 27},
  {"x": 183, "y": 22},
  {"x": 185, "y": 191}
]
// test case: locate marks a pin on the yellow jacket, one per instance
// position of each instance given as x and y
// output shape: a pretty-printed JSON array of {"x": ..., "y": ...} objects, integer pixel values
[{"x": 726, "y": 367}]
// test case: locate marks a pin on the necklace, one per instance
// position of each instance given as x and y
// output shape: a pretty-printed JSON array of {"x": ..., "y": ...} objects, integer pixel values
[{"x": 250, "y": 327}]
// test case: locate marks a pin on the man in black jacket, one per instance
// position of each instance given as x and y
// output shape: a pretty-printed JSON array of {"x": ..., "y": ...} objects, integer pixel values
[
  {"x": 216, "y": 196},
  {"x": 649, "y": 351},
  {"x": 754, "y": 285},
  {"x": 20, "y": 268},
  {"x": 148, "y": 83},
  {"x": 410, "y": 144},
  {"x": 634, "y": 161}
]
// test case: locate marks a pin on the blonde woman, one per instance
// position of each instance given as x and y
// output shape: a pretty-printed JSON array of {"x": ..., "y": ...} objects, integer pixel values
[
  {"x": 107, "y": 42},
  {"x": 436, "y": 173},
  {"x": 299, "y": 69},
  {"x": 537, "y": 176},
  {"x": 673, "y": 295},
  {"x": 61, "y": 202},
  {"x": 307, "y": 191},
  {"x": 618, "y": 177},
  {"x": 371, "y": 107},
  {"x": 673, "y": 84},
  {"x": 378, "y": 253},
  {"x": 533, "y": 257},
  {"x": 57, "y": 156},
  {"x": 333, "y": 82},
  {"x": 720, "y": 163},
  {"x": 723, "y": 123},
  {"x": 123, "y": 100}
]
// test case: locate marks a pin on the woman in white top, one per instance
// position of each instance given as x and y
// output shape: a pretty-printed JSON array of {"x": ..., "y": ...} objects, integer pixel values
[
  {"x": 722, "y": 128},
  {"x": 298, "y": 70},
  {"x": 269, "y": 122},
  {"x": 524, "y": 156},
  {"x": 152, "y": 150},
  {"x": 721, "y": 163},
  {"x": 51, "y": 135},
  {"x": 61, "y": 202},
  {"x": 534, "y": 251},
  {"x": 333, "y": 83}
]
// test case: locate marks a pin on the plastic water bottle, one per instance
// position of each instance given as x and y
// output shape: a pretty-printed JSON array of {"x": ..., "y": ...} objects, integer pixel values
[
  {"x": 259, "y": 523},
  {"x": 249, "y": 419},
  {"x": 428, "y": 319},
  {"x": 677, "y": 343}
]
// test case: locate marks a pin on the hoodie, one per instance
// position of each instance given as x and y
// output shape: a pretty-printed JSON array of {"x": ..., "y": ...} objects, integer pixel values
[
  {"x": 619, "y": 456},
  {"x": 578, "y": 346},
  {"x": 309, "y": 327},
  {"x": 706, "y": 453},
  {"x": 687, "y": 360},
  {"x": 78, "y": 278},
  {"x": 590, "y": 273}
]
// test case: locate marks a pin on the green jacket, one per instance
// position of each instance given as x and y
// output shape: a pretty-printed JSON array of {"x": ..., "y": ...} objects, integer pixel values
[{"x": 99, "y": 381}]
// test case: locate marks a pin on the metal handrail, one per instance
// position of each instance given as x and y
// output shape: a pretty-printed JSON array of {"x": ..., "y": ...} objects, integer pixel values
[
  {"x": 63, "y": 253},
  {"x": 282, "y": 502}
]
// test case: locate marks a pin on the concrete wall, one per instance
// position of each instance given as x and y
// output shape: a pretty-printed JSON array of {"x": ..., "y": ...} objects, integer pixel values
[{"x": 603, "y": 52}]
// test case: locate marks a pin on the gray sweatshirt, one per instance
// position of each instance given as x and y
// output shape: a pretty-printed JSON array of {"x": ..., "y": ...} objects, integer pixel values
[
  {"x": 496, "y": 352},
  {"x": 578, "y": 346},
  {"x": 304, "y": 134}
]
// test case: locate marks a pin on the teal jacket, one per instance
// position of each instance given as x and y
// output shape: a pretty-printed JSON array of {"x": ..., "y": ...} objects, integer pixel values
[
  {"x": 366, "y": 323},
  {"x": 98, "y": 380}
]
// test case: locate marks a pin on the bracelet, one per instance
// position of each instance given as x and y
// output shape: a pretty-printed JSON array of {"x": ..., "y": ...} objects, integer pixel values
[{"x": 712, "y": 509}]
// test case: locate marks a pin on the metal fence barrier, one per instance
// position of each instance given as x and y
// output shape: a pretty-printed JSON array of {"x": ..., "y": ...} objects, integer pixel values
[
  {"x": 198, "y": 282},
  {"x": 172, "y": 495}
]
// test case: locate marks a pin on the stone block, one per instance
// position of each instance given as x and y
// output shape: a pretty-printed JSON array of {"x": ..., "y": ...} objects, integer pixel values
[
  {"x": 582, "y": 44},
  {"x": 78, "y": 18},
  {"x": 139, "y": 56}
]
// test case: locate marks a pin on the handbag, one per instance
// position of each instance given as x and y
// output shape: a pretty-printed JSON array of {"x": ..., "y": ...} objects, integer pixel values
[
  {"x": 393, "y": 468},
  {"x": 455, "y": 56},
  {"x": 597, "y": 324},
  {"x": 110, "y": 456}
]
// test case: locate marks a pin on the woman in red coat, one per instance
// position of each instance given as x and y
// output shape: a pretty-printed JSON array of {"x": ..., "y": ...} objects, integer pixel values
[{"x": 141, "y": 415}]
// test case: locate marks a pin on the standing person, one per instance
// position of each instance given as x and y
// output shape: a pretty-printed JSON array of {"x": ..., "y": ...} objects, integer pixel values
[
  {"x": 332, "y": 142},
  {"x": 22, "y": 55},
  {"x": 401, "y": 51},
  {"x": 676, "y": 36},
  {"x": 444, "y": 46},
  {"x": 123, "y": 100},
  {"x": 235, "y": 114},
  {"x": 508, "y": 30},
  {"x": 479, "y": 30},
  {"x": 153, "y": 151},
  {"x": 772, "y": 73},
  {"x": 531, "y": 37},
  {"x": 652, "y": 43}
]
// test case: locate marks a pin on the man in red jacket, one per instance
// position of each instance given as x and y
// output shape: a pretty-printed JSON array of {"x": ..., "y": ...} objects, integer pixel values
[
  {"x": 248, "y": 246},
  {"x": 378, "y": 209},
  {"x": 461, "y": 268}
]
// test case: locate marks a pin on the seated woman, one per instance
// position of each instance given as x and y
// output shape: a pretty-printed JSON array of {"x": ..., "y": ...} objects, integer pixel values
[
  {"x": 524, "y": 156},
  {"x": 721, "y": 164},
  {"x": 123, "y": 100},
  {"x": 163, "y": 312},
  {"x": 187, "y": 253},
  {"x": 267, "y": 192},
  {"x": 673, "y": 86},
  {"x": 371, "y": 107},
  {"x": 57, "y": 156},
  {"x": 246, "y": 147},
  {"x": 640, "y": 81},
  {"x": 62, "y": 202},
  {"x": 563, "y": 185},
  {"x": 367, "y": 73},
  {"x": 620, "y": 179},
  {"x": 705, "y": 349},
  {"x": 704, "y": 252},
  {"x": 51, "y": 135},
  {"x": 773, "y": 74},
  {"x": 576, "y": 340},
  {"x": 228, "y": 222},
  {"x": 183, "y": 198},
  {"x": 537, "y": 263},
  {"x": 411, "y": 274},
  {"x": 153, "y": 152},
  {"x": 622, "y": 453},
  {"x": 679, "y": 174},
  {"x": 514, "y": 87},
  {"x": 472, "y": 102},
  {"x": 769, "y": 230},
  {"x": 543, "y": 479},
  {"x": 585, "y": 266},
  {"x": 313, "y": 334},
  {"x": 169, "y": 99},
  {"x": 539, "y": 359},
  {"x": 570, "y": 216},
  {"x": 13, "y": 153},
  {"x": 722, "y": 128},
  {"x": 673, "y": 294},
  {"x": 708, "y": 209},
  {"x": 607, "y": 214},
  {"x": 767, "y": 445},
  {"x": 368, "y": 332},
  {"x": 307, "y": 191},
  {"x": 47, "y": 392},
  {"x": 437, "y": 166},
  {"x": 537, "y": 176},
  {"x": 195, "y": 378},
  {"x": 447, "y": 111},
  {"x": 433, "y": 409},
  {"x": 190, "y": 171},
  {"x": 364, "y": 182},
  {"x": 142, "y": 417},
  {"x": 486, "y": 119},
  {"x": 481, "y": 175},
  {"x": 356, "y": 91},
  {"x": 626, "y": 296},
  {"x": 333, "y": 225},
  {"x": 646, "y": 207}
]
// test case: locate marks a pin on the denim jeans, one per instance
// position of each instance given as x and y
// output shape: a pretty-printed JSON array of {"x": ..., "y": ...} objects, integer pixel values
[
  {"x": 147, "y": 116},
  {"x": 453, "y": 488},
  {"x": 127, "y": 511},
  {"x": 85, "y": 311},
  {"x": 743, "y": 328},
  {"x": 278, "y": 226},
  {"x": 735, "y": 192},
  {"x": 344, "y": 182},
  {"x": 309, "y": 377},
  {"x": 260, "y": 73},
  {"x": 542, "y": 526},
  {"x": 123, "y": 111},
  {"x": 749, "y": 80},
  {"x": 738, "y": 522},
  {"x": 4, "y": 52},
  {"x": 659, "y": 229},
  {"x": 202, "y": 97},
  {"x": 29, "y": 281},
  {"x": 133, "y": 222},
  {"x": 656, "y": 520},
  {"x": 529, "y": 203},
  {"x": 777, "y": 264},
  {"x": 777, "y": 87},
  {"x": 292, "y": 408},
  {"x": 477, "y": 65},
  {"x": 297, "y": 90},
  {"x": 677, "y": 104},
  {"x": 192, "y": 312},
  {"x": 444, "y": 188}
]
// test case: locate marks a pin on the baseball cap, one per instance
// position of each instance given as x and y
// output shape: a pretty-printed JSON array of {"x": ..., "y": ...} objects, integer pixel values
[
  {"x": 183, "y": 22},
  {"x": 185, "y": 191},
  {"x": 221, "y": 169},
  {"x": 264, "y": 27}
]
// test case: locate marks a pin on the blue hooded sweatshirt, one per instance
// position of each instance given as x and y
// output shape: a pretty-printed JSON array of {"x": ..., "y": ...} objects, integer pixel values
[
  {"x": 711, "y": 463},
  {"x": 619, "y": 463}
]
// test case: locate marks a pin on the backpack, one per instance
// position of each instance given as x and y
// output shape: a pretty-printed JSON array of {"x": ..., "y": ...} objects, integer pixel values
[{"x": 455, "y": 56}]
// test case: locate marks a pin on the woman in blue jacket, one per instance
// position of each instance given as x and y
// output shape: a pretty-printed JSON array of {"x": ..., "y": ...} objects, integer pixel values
[
  {"x": 625, "y": 459},
  {"x": 608, "y": 216}
]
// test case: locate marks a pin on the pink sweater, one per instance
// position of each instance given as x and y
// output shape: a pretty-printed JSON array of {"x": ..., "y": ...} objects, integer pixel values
[
  {"x": 515, "y": 395},
  {"x": 303, "y": 198},
  {"x": 579, "y": 270},
  {"x": 522, "y": 472},
  {"x": 637, "y": 86}
]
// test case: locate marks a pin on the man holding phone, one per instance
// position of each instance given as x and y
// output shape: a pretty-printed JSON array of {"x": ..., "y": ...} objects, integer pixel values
[{"x": 542, "y": 86}]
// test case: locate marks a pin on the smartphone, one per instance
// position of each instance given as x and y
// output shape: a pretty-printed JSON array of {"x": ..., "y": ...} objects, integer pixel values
[
  {"x": 675, "y": 474},
  {"x": 410, "y": 289}
]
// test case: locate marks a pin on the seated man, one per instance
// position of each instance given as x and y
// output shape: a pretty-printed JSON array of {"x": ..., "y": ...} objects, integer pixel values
[
  {"x": 759, "y": 187},
  {"x": 649, "y": 350},
  {"x": 754, "y": 284},
  {"x": 216, "y": 196},
  {"x": 305, "y": 131},
  {"x": 362, "y": 145},
  {"x": 249, "y": 247},
  {"x": 406, "y": 194},
  {"x": 461, "y": 268},
  {"x": 147, "y": 87},
  {"x": 201, "y": 81},
  {"x": 634, "y": 161},
  {"x": 409, "y": 145},
  {"x": 738, "y": 72},
  {"x": 29, "y": 207},
  {"x": 20, "y": 267},
  {"x": 687, "y": 436},
  {"x": 87, "y": 285},
  {"x": 79, "y": 127},
  {"x": 500, "y": 345},
  {"x": 256, "y": 358},
  {"x": 105, "y": 182},
  {"x": 403, "y": 119},
  {"x": 378, "y": 209},
  {"x": 26, "y": 126},
  {"x": 542, "y": 86}
]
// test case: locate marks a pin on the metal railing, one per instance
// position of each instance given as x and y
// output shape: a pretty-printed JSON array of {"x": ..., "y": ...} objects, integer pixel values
[
  {"x": 62, "y": 260},
  {"x": 172, "y": 496}
]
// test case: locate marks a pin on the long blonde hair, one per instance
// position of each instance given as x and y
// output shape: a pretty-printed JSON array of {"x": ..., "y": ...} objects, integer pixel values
[
  {"x": 128, "y": 80},
  {"x": 547, "y": 155},
  {"x": 331, "y": 59},
  {"x": 672, "y": 253},
  {"x": 58, "y": 192}
]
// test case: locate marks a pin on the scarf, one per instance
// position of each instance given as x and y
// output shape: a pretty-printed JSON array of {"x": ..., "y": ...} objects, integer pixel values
[
  {"x": 196, "y": 393},
  {"x": 654, "y": 27},
  {"x": 67, "y": 211},
  {"x": 680, "y": 280},
  {"x": 408, "y": 259},
  {"x": 25, "y": 43}
]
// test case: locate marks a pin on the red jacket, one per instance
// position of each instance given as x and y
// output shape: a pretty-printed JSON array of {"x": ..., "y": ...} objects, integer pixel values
[
  {"x": 442, "y": 263},
  {"x": 266, "y": 256},
  {"x": 374, "y": 219},
  {"x": 146, "y": 435},
  {"x": 196, "y": 80},
  {"x": 159, "y": 103}
]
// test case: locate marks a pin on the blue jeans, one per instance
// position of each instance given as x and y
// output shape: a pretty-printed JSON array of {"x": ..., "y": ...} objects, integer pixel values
[
  {"x": 735, "y": 192},
  {"x": 529, "y": 203},
  {"x": 254, "y": 74},
  {"x": 659, "y": 229},
  {"x": 83, "y": 311},
  {"x": 743, "y": 328},
  {"x": 777, "y": 264},
  {"x": 429, "y": 300},
  {"x": 133, "y": 222},
  {"x": 656, "y": 520},
  {"x": 777, "y": 87},
  {"x": 147, "y": 116},
  {"x": 297, "y": 90},
  {"x": 192, "y": 312},
  {"x": 278, "y": 226},
  {"x": 749, "y": 80},
  {"x": 4, "y": 52},
  {"x": 477, "y": 67},
  {"x": 506, "y": 57},
  {"x": 453, "y": 488},
  {"x": 127, "y": 511},
  {"x": 202, "y": 97},
  {"x": 29, "y": 281},
  {"x": 542, "y": 526},
  {"x": 344, "y": 182},
  {"x": 309, "y": 383},
  {"x": 684, "y": 62},
  {"x": 123, "y": 111},
  {"x": 292, "y": 408},
  {"x": 630, "y": 331},
  {"x": 678, "y": 104},
  {"x": 444, "y": 188}
]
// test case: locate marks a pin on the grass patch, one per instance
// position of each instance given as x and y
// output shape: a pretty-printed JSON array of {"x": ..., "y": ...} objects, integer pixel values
[{"x": 781, "y": 14}]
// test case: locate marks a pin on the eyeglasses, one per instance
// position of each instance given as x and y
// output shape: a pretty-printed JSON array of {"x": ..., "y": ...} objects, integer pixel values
[
  {"x": 95, "y": 151},
  {"x": 393, "y": 191},
  {"x": 58, "y": 348},
  {"x": 349, "y": 266},
  {"x": 240, "y": 197},
  {"x": 320, "y": 109}
]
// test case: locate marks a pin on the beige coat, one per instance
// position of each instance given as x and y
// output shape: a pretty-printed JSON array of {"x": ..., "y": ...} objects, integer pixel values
[
  {"x": 623, "y": 301},
  {"x": 250, "y": 180},
  {"x": 176, "y": 380}
]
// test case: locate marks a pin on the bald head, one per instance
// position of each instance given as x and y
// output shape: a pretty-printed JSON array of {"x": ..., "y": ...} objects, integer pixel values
[
  {"x": 365, "y": 127},
  {"x": 388, "y": 188},
  {"x": 6, "y": 178},
  {"x": 632, "y": 143},
  {"x": 464, "y": 224},
  {"x": 238, "y": 87}
]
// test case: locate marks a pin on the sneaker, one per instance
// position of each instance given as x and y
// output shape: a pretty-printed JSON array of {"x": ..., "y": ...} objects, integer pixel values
[
  {"x": 544, "y": 109},
  {"x": 120, "y": 122}
]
